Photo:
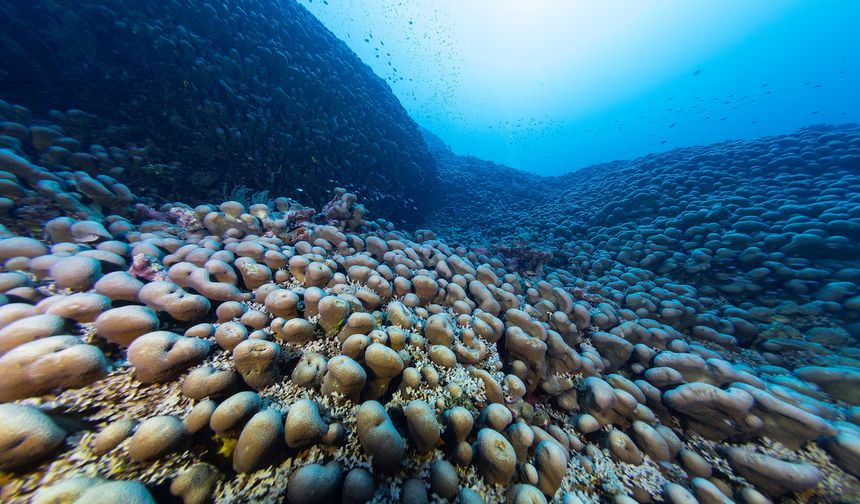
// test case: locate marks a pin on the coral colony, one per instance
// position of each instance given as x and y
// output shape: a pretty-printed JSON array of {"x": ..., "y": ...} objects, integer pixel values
[{"x": 678, "y": 328}]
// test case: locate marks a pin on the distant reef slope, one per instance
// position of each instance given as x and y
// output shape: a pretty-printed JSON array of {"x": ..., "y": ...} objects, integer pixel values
[
  {"x": 245, "y": 93},
  {"x": 762, "y": 221},
  {"x": 480, "y": 200}
]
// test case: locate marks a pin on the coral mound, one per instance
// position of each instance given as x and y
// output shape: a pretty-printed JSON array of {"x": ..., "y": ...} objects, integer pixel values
[
  {"x": 240, "y": 96},
  {"x": 228, "y": 352}
]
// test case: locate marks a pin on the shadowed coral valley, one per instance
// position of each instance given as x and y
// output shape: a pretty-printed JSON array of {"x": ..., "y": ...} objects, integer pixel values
[{"x": 235, "y": 270}]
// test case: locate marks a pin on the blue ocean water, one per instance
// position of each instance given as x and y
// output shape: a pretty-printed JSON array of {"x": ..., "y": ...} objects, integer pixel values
[
  {"x": 552, "y": 86},
  {"x": 478, "y": 252}
]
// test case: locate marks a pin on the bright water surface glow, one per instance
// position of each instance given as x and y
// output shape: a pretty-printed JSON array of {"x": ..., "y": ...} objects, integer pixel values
[{"x": 552, "y": 85}]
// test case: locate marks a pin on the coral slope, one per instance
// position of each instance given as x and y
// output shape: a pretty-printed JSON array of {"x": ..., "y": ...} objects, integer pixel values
[
  {"x": 245, "y": 93},
  {"x": 263, "y": 352}
]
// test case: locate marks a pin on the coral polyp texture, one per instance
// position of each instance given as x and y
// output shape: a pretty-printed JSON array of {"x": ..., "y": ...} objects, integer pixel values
[{"x": 640, "y": 336}]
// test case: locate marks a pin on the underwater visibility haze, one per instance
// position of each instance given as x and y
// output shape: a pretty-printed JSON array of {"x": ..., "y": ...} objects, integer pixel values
[
  {"x": 549, "y": 86},
  {"x": 315, "y": 251}
]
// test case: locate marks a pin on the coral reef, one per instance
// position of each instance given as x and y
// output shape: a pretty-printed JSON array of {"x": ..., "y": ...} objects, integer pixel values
[
  {"x": 272, "y": 352},
  {"x": 241, "y": 97}
]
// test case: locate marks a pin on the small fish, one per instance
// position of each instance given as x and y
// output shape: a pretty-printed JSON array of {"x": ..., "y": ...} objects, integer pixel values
[{"x": 697, "y": 72}]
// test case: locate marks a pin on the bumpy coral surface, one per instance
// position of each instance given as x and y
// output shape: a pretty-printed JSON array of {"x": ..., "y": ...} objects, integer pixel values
[
  {"x": 666, "y": 350},
  {"x": 241, "y": 96}
]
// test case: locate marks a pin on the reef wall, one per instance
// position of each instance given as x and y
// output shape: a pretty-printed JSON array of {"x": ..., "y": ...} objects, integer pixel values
[{"x": 245, "y": 93}]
